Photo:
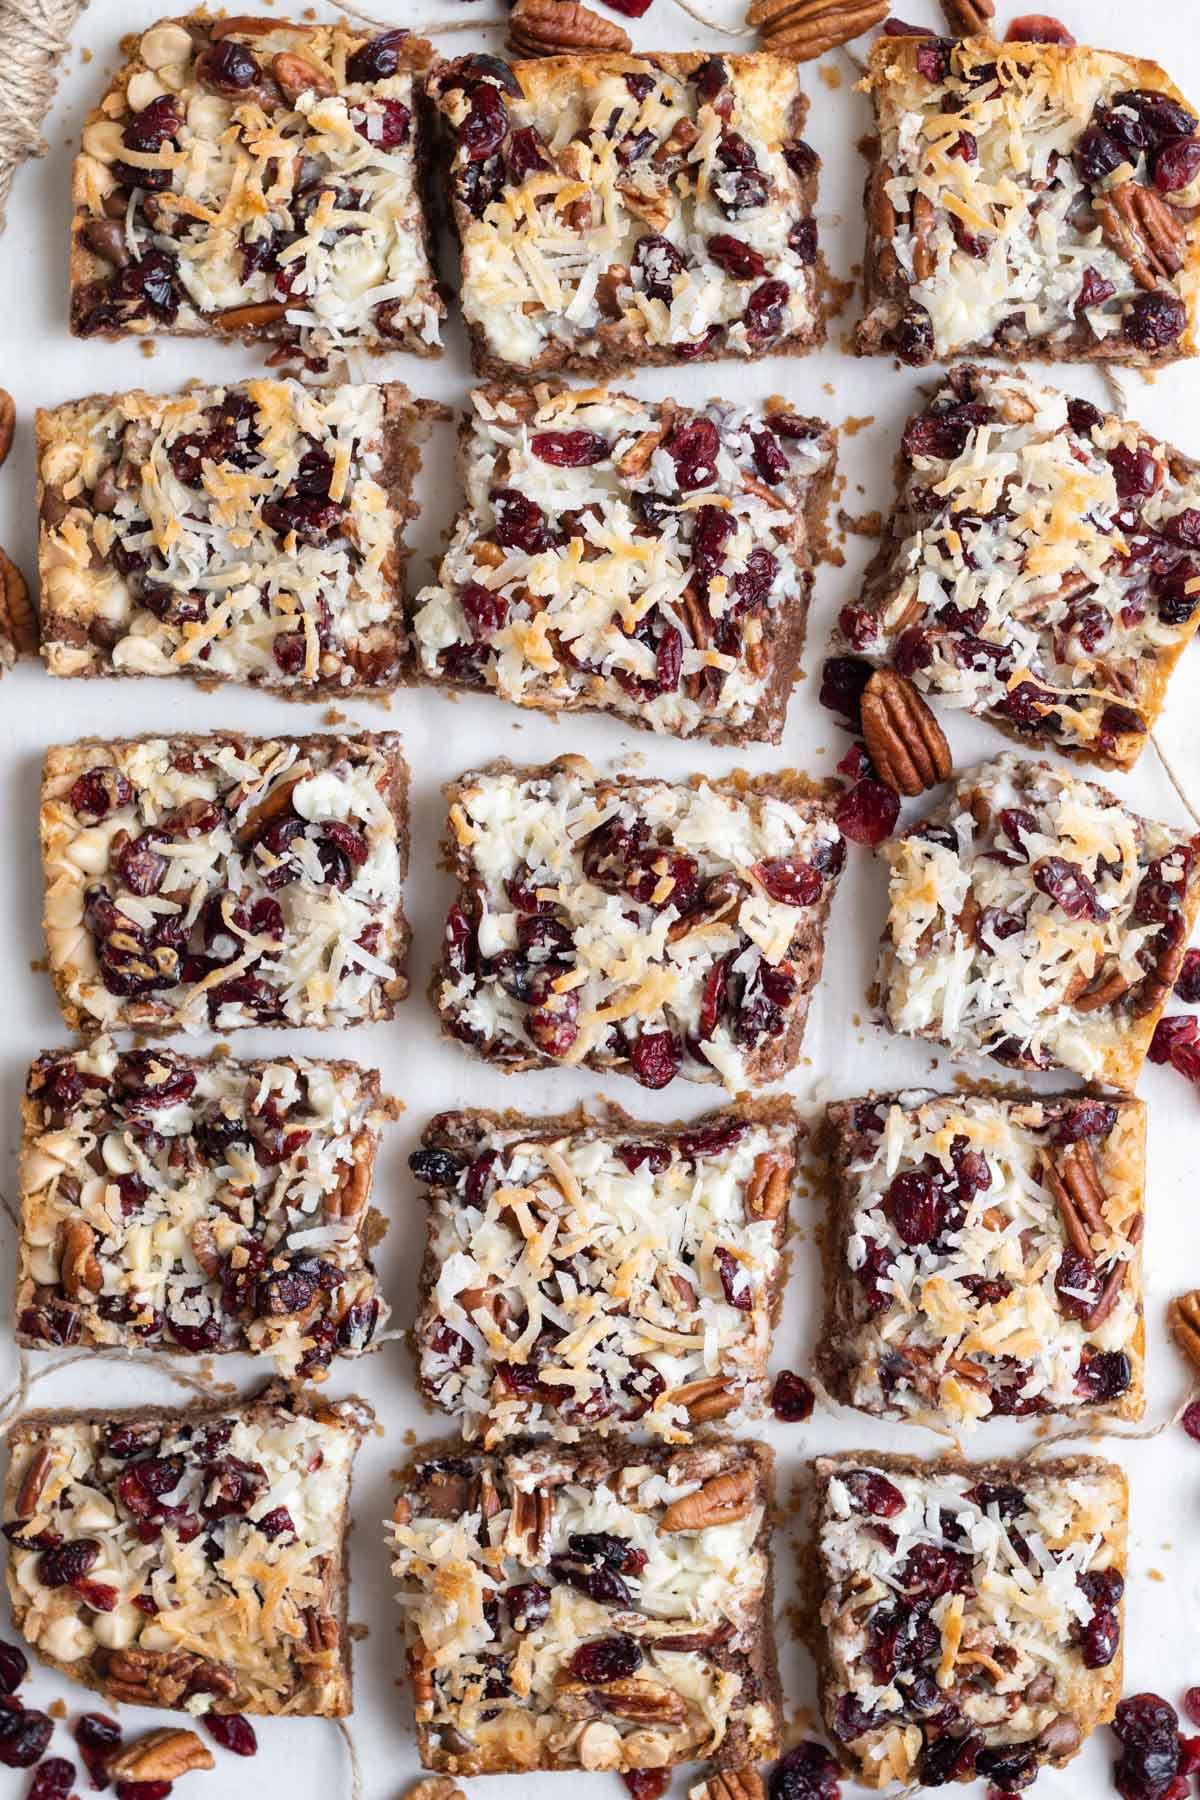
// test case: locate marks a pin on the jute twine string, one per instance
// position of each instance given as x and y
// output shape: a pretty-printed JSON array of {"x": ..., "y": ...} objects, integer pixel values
[{"x": 34, "y": 35}]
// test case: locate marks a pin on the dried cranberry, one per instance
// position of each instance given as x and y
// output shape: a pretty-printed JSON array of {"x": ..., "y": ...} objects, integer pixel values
[
  {"x": 655, "y": 1058},
  {"x": 646, "y": 1784},
  {"x": 736, "y": 258},
  {"x": 152, "y": 284},
  {"x": 607, "y": 1659},
  {"x": 915, "y": 1207},
  {"x": 1085, "y": 1119},
  {"x": 630, "y": 9},
  {"x": 52, "y": 1780},
  {"x": 1094, "y": 290},
  {"x": 98, "y": 1737},
  {"x": 712, "y": 1140},
  {"x": 23, "y": 1737},
  {"x": 143, "y": 1790},
  {"x": 1105, "y": 1376},
  {"x": 1187, "y": 984},
  {"x": 1147, "y": 1728},
  {"x": 933, "y": 59},
  {"x": 68, "y": 1564},
  {"x": 1136, "y": 472},
  {"x": 1079, "y": 1274},
  {"x": 1172, "y": 1035},
  {"x": 808, "y": 1772},
  {"x": 943, "y": 432},
  {"x": 1158, "y": 117},
  {"x": 769, "y": 459},
  {"x": 873, "y": 1493},
  {"x": 1155, "y": 321},
  {"x": 657, "y": 262},
  {"x": 1066, "y": 884},
  {"x": 912, "y": 338},
  {"x": 232, "y": 1732},
  {"x": 1177, "y": 164},
  {"x": 385, "y": 125},
  {"x": 1100, "y": 1639},
  {"x": 570, "y": 449},
  {"x": 14, "y": 1667},
  {"x": 712, "y": 530},
  {"x": 789, "y": 880},
  {"x": 1012, "y": 1767},
  {"x": 843, "y": 679},
  {"x": 792, "y": 1399},
  {"x": 764, "y": 314},
  {"x": 736, "y": 1283},
  {"x": 755, "y": 581},
  {"x": 227, "y": 66},
  {"x": 656, "y": 1157},
  {"x": 668, "y": 660},
  {"x": 484, "y": 128},
  {"x": 520, "y": 522},
  {"x": 552, "y": 1027},
  {"x": 1037, "y": 28},
  {"x": 99, "y": 792},
  {"x": 153, "y": 126},
  {"x": 486, "y": 609},
  {"x": 693, "y": 447},
  {"x": 867, "y": 813},
  {"x": 1179, "y": 593},
  {"x": 378, "y": 58}
]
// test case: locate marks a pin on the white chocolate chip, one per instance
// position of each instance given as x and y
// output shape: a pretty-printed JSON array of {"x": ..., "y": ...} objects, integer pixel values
[
  {"x": 102, "y": 139},
  {"x": 67, "y": 1638},
  {"x": 208, "y": 115},
  {"x": 164, "y": 44},
  {"x": 600, "y": 1745},
  {"x": 143, "y": 88}
]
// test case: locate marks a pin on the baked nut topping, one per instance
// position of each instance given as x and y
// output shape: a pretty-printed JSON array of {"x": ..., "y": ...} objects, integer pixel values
[
  {"x": 257, "y": 178},
  {"x": 971, "y": 1619},
  {"x": 1028, "y": 200},
  {"x": 650, "y": 1303},
  {"x": 983, "y": 1256},
  {"x": 1034, "y": 919},
  {"x": 644, "y": 559},
  {"x": 249, "y": 533},
  {"x": 620, "y": 209},
  {"x": 561, "y": 1613},
  {"x": 1039, "y": 566},
  {"x": 188, "y": 1559},
  {"x": 191, "y": 1206},
  {"x": 220, "y": 882},
  {"x": 644, "y": 926}
]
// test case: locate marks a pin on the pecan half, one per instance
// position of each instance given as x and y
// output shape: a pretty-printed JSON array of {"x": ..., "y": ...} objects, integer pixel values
[
  {"x": 637, "y": 458},
  {"x": 1102, "y": 994},
  {"x": 924, "y": 256},
  {"x": 721, "y": 1501},
  {"x": 766, "y": 1190},
  {"x": 709, "y": 1398},
  {"x": 434, "y": 1787},
  {"x": 273, "y": 804},
  {"x": 1144, "y": 230},
  {"x": 1114, "y": 1281},
  {"x": 1075, "y": 1183},
  {"x": 162, "y": 1755},
  {"x": 18, "y": 620},
  {"x": 730, "y": 1784},
  {"x": 296, "y": 76},
  {"x": 804, "y": 29},
  {"x": 968, "y": 18},
  {"x": 648, "y": 1702},
  {"x": 560, "y": 27},
  {"x": 904, "y": 740},
  {"x": 163, "y": 1677},
  {"x": 8, "y": 423},
  {"x": 79, "y": 1265},
  {"x": 531, "y": 1514},
  {"x": 33, "y": 1481},
  {"x": 250, "y": 316},
  {"x": 1183, "y": 1321}
]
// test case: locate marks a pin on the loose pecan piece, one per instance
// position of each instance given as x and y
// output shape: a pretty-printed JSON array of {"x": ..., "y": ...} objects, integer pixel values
[
  {"x": 766, "y": 1190},
  {"x": 1183, "y": 1320},
  {"x": 78, "y": 1264},
  {"x": 637, "y": 458},
  {"x": 968, "y": 18},
  {"x": 730, "y": 1784},
  {"x": 803, "y": 29},
  {"x": 434, "y": 1787},
  {"x": 905, "y": 741},
  {"x": 18, "y": 621},
  {"x": 162, "y": 1755},
  {"x": 8, "y": 422},
  {"x": 721, "y": 1501},
  {"x": 561, "y": 27},
  {"x": 33, "y": 1481}
]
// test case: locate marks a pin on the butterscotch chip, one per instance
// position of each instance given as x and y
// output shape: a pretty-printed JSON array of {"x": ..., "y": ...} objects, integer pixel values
[{"x": 675, "y": 1684}]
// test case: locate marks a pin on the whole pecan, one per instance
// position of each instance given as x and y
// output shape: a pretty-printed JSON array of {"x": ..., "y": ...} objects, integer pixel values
[
  {"x": 1183, "y": 1320},
  {"x": 434, "y": 1787},
  {"x": 8, "y": 421},
  {"x": 709, "y": 1398},
  {"x": 766, "y": 1190},
  {"x": 967, "y": 18},
  {"x": 18, "y": 621},
  {"x": 561, "y": 28},
  {"x": 730, "y": 1784},
  {"x": 162, "y": 1755},
  {"x": 296, "y": 76},
  {"x": 79, "y": 1264},
  {"x": 721, "y": 1501},
  {"x": 804, "y": 29},
  {"x": 1145, "y": 230},
  {"x": 905, "y": 741}
]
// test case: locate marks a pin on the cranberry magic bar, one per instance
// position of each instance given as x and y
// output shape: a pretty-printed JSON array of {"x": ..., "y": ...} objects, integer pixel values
[
  {"x": 1028, "y": 200},
  {"x": 589, "y": 1608},
  {"x": 970, "y": 1614},
  {"x": 191, "y": 1559},
  {"x": 622, "y": 210},
  {"x": 250, "y": 533},
  {"x": 1034, "y": 919},
  {"x": 217, "y": 882},
  {"x": 651, "y": 1302},
  {"x": 983, "y": 1256},
  {"x": 257, "y": 178},
  {"x": 644, "y": 926},
  {"x": 1040, "y": 566},
  {"x": 174, "y": 1204},
  {"x": 639, "y": 558}
]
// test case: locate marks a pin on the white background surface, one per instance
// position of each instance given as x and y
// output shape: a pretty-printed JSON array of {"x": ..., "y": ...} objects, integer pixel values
[{"x": 844, "y": 1052}]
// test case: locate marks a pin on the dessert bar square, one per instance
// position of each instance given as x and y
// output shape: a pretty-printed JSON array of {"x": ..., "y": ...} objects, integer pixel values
[
  {"x": 189, "y": 1559},
  {"x": 618, "y": 211},
  {"x": 1028, "y": 200},
  {"x": 651, "y": 927},
  {"x": 258, "y": 179},
  {"x": 513, "y": 1571},
  {"x": 171, "y": 1203},
  {"x": 1033, "y": 918},
  {"x": 246, "y": 533},
  {"x": 633, "y": 557},
  {"x": 970, "y": 1613},
  {"x": 1039, "y": 567},
  {"x": 652, "y": 1301},
  {"x": 983, "y": 1256},
  {"x": 218, "y": 882}
]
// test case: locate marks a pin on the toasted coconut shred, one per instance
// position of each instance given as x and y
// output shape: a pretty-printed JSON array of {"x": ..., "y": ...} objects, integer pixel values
[
  {"x": 585, "y": 1284},
  {"x": 995, "y": 1314},
  {"x": 974, "y": 1591}
]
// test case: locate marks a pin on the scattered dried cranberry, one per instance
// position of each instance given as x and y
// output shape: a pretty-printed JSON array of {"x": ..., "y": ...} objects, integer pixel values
[
  {"x": 738, "y": 1290},
  {"x": 1037, "y": 28},
  {"x": 52, "y": 1780},
  {"x": 232, "y": 1732},
  {"x": 792, "y": 1399},
  {"x": 1147, "y": 1728},
  {"x": 1094, "y": 290},
  {"x": 646, "y": 1784},
  {"x": 143, "y": 1790},
  {"x": 570, "y": 449},
  {"x": 607, "y": 1659},
  {"x": 98, "y": 1737},
  {"x": 486, "y": 609},
  {"x": 867, "y": 813},
  {"x": 14, "y": 1667},
  {"x": 655, "y": 1058},
  {"x": 483, "y": 130},
  {"x": 1077, "y": 1284},
  {"x": 943, "y": 432},
  {"x": 68, "y": 1564},
  {"x": 843, "y": 679},
  {"x": 630, "y": 9},
  {"x": 657, "y": 262},
  {"x": 99, "y": 792},
  {"x": 520, "y": 522},
  {"x": 227, "y": 66},
  {"x": 23, "y": 1737},
  {"x": 656, "y": 1157},
  {"x": 808, "y": 1772},
  {"x": 1187, "y": 986},
  {"x": 1105, "y": 1376}
]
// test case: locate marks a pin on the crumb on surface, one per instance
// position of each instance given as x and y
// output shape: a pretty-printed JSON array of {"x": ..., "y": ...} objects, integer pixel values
[
  {"x": 831, "y": 75},
  {"x": 852, "y": 426}
]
